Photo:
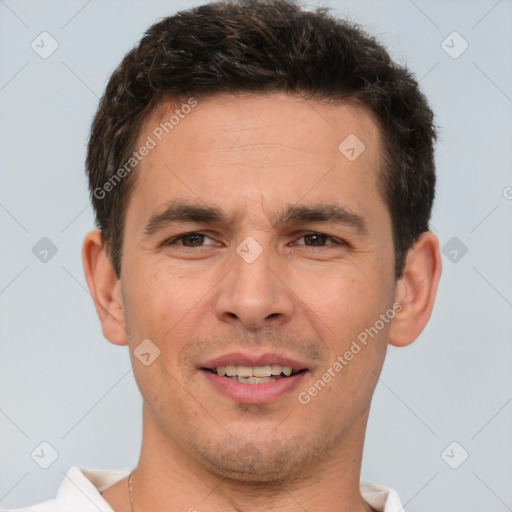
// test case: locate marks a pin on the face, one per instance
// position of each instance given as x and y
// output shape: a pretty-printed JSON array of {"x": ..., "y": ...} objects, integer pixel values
[{"x": 255, "y": 247}]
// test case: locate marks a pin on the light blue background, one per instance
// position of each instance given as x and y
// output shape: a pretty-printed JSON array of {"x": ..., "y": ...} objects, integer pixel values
[{"x": 61, "y": 382}]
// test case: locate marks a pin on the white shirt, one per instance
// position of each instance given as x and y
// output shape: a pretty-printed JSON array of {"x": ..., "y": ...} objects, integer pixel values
[{"x": 80, "y": 492}]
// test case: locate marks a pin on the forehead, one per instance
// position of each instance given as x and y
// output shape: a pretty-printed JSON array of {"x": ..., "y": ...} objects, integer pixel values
[
  {"x": 226, "y": 120},
  {"x": 240, "y": 148}
]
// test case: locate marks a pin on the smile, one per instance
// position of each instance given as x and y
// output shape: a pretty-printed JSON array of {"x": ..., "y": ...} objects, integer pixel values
[
  {"x": 266, "y": 380},
  {"x": 255, "y": 374}
]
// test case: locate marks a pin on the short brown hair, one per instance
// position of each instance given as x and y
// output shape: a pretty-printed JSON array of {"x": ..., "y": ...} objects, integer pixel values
[{"x": 263, "y": 46}]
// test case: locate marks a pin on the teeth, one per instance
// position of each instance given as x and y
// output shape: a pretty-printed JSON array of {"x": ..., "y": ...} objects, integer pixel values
[
  {"x": 254, "y": 380},
  {"x": 287, "y": 370},
  {"x": 276, "y": 369},
  {"x": 245, "y": 372},
  {"x": 230, "y": 370},
  {"x": 262, "y": 371}
]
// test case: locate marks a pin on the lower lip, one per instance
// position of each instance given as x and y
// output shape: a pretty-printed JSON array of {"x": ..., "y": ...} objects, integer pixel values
[{"x": 264, "y": 393}]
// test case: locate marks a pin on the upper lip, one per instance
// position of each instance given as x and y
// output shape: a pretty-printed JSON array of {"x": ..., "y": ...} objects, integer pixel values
[{"x": 240, "y": 358}]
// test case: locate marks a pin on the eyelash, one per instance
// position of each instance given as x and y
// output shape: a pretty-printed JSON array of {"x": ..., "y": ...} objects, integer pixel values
[{"x": 335, "y": 241}]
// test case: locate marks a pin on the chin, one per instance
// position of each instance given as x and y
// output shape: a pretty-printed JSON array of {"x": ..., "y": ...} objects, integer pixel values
[{"x": 262, "y": 462}]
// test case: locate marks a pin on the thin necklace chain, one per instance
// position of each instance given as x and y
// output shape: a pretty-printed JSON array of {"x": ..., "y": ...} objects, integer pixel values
[{"x": 130, "y": 490}]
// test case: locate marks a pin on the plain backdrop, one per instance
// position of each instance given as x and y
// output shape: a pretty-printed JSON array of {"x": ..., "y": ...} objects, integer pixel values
[{"x": 446, "y": 397}]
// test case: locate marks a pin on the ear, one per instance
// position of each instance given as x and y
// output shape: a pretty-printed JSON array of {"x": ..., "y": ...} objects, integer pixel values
[
  {"x": 416, "y": 290},
  {"x": 105, "y": 288}
]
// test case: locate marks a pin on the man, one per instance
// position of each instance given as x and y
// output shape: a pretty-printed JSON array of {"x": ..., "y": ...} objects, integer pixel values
[{"x": 262, "y": 178}]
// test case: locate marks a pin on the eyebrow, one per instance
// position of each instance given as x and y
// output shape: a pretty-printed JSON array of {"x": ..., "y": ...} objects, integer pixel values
[
  {"x": 184, "y": 212},
  {"x": 179, "y": 212},
  {"x": 323, "y": 212}
]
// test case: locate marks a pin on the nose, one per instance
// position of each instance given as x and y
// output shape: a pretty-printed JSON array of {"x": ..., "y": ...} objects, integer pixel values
[{"x": 254, "y": 295}]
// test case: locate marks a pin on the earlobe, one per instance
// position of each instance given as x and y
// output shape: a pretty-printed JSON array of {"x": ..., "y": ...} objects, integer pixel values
[
  {"x": 416, "y": 290},
  {"x": 104, "y": 287}
]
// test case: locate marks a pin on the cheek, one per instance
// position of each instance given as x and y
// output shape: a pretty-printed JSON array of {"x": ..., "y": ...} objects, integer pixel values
[
  {"x": 163, "y": 305},
  {"x": 160, "y": 309},
  {"x": 155, "y": 300},
  {"x": 347, "y": 306},
  {"x": 344, "y": 297}
]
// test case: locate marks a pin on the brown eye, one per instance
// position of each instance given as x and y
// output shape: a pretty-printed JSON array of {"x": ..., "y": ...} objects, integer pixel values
[
  {"x": 193, "y": 239},
  {"x": 189, "y": 240},
  {"x": 315, "y": 239},
  {"x": 318, "y": 240}
]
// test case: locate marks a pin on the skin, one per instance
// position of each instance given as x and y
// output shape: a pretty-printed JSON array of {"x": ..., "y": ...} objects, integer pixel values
[{"x": 253, "y": 156}]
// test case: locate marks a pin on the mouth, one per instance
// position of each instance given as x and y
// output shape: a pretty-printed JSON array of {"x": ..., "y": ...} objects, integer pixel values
[
  {"x": 255, "y": 374},
  {"x": 254, "y": 380}
]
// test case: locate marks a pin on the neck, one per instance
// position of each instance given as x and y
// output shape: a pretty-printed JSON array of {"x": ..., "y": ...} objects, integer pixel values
[{"x": 167, "y": 477}]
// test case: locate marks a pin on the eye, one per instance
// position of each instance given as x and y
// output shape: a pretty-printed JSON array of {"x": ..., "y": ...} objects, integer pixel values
[
  {"x": 318, "y": 240},
  {"x": 310, "y": 239},
  {"x": 189, "y": 240}
]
